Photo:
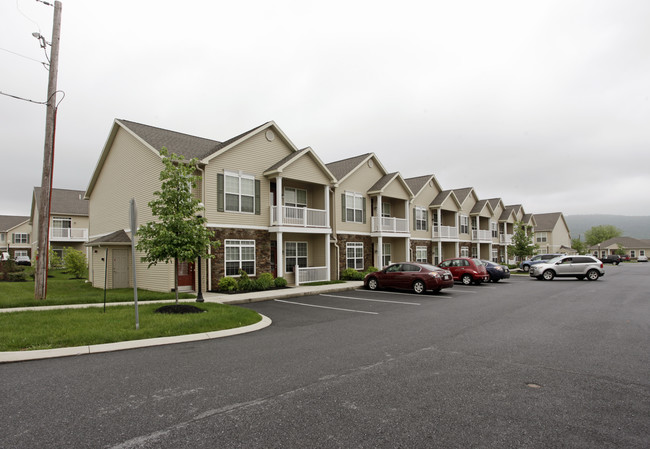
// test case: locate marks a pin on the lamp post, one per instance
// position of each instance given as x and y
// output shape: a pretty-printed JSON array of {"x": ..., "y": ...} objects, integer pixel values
[{"x": 199, "y": 293}]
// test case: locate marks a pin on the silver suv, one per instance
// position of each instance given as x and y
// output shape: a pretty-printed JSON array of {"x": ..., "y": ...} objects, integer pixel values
[{"x": 569, "y": 266}]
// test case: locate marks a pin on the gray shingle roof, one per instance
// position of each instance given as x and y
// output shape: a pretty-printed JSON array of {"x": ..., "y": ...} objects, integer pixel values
[
  {"x": 11, "y": 221},
  {"x": 286, "y": 159},
  {"x": 383, "y": 182},
  {"x": 462, "y": 194},
  {"x": 625, "y": 242},
  {"x": 546, "y": 222},
  {"x": 478, "y": 207},
  {"x": 66, "y": 202},
  {"x": 416, "y": 184},
  {"x": 440, "y": 198},
  {"x": 117, "y": 237},
  {"x": 341, "y": 168}
]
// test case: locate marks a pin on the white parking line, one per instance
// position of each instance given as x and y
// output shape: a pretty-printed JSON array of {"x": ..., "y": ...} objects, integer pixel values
[
  {"x": 373, "y": 300},
  {"x": 385, "y": 292},
  {"x": 325, "y": 307}
]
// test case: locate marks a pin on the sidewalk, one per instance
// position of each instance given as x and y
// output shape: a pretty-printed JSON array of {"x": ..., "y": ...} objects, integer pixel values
[{"x": 243, "y": 298}]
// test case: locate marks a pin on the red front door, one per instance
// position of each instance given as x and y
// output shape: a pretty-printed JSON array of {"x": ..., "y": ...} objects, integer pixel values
[{"x": 185, "y": 274}]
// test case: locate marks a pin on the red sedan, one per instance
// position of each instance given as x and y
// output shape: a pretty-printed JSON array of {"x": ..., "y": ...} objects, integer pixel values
[{"x": 415, "y": 276}]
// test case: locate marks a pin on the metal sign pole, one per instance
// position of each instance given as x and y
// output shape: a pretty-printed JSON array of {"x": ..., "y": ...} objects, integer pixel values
[{"x": 135, "y": 284}]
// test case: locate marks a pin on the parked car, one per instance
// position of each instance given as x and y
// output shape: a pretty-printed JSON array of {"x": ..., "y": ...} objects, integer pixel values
[
  {"x": 418, "y": 277},
  {"x": 496, "y": 271},
  {"x": 614, "y": 259},
  {"x": 23, "y": 260},
  {"x": 569, "y": 266},
  {"x": 625, "y": 258},
  {"x": 4, "y": 256},
  {"x": 466, "y": 270},
  {"x": 642, "y": 259},
  {"x": 540, "y": 258}
]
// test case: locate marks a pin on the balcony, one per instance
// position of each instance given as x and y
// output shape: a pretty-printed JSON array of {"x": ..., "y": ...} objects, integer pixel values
[
  {"x": 68, "y": 234},
  {"x": 505, "y": 239},
  {"x": 481, "y": 236},
  {"x": 449, "y": 233},
  {"x": 300, "y": 217},
  {"x": 390, "y": 224}
]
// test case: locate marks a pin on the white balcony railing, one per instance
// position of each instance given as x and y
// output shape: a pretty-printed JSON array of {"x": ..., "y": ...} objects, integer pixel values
[
  {"x": 445, "y": 232},
  {"x": 390, "y": 224},
  {"x": 505, "y": 239},
  {"x": 479, "y": 235},
  {"x": 68, "y": 234},
  {"x": 310, "y": 274},
  {"x": 299, "y": 216}
]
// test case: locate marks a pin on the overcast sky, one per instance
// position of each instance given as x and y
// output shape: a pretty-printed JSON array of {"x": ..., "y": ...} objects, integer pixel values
[{"x": 540, "y": 103}]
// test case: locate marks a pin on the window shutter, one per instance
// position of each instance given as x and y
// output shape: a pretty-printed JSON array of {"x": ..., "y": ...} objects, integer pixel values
[
  {"x": 415, "y": 218},
  {"x": 364, "y": 210},
  {"x": 13, "y": 238},
  {"x": 426, "y": 220},
  {"x": 219, "y": 192},
  {"x": 257, "y": 197},
  {"x": 343, "y": 212}
]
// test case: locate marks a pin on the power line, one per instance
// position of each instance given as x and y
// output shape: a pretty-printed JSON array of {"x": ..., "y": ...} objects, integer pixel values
[{"x": 26, "y": 57}]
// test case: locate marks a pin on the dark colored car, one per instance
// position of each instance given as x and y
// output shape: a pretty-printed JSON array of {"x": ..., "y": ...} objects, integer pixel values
[
  {"x": 418, "y": 277},
  {"x": 496, "y": 271},
  {"x": 466, "y": 270},
  {"x": 611, "y": 258},
  {"x": 540, "y": 258}
]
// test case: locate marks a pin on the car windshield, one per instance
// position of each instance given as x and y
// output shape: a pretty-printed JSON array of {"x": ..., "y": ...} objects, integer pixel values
[
  {"x": 426, "y": 266},
  {"x": 554, "y": 260},
  {"x": 478, "y": 262}
]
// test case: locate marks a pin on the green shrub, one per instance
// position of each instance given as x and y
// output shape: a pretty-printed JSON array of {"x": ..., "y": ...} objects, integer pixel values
[
  {"x": 227, "y": 284},
  {"x": 55, "y": 261},
  {"x": 280, "y": 282},
  {"x": 350, "y": 274},
  {"x": 18, "y": 276},
  {"x": 370, "y": 270},
  {"x": 75, "y": 263},
  {"x": 244, "y": 284},
  {"x": 263, "y": 282}
]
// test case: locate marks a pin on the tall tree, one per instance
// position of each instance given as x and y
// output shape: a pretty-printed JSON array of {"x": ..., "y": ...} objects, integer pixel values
[
  {"x": 179, "y": 234},
  {"x": 522, "y": 241},
  {"x": 598, "y": 234}
]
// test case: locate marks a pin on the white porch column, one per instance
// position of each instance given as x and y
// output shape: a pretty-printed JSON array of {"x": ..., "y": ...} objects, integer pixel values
[
  {"x": 278, "y": 200},
  {"x": 407, "y": 214},
  {"x": 327, "y": 255},
  {"x": 408, "y": 249},
  {"x": 379, "y": 212},
  {"x": 326, "y": 192},
  {"x": 478, "y": 251},
  {"x": 457, "y": 249},
  {"x": 380, "y": 253},
  {"x": 279, "y": 262},
  {"x": 439, "y": 214}
]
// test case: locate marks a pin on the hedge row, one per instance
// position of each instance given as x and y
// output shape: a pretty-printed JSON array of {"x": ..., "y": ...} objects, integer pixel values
[{"x": 264, "y": 281}]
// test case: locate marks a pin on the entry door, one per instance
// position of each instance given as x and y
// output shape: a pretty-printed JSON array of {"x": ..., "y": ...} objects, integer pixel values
[
  {"x": 185, "y": 274},
  {"x": 120, "y": 268}
]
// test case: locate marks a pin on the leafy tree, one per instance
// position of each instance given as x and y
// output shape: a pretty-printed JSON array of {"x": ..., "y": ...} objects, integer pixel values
[
  {"x": 522, "y": 241},
  {"x": 621, "y": 251},
  {"x": 579, "y": 245},
  {"x": 598, "y": 234},
  {"x": 180, "y": 233},
  {"x": 75, "y": 263},
  {"x": 55, "y": 260}
]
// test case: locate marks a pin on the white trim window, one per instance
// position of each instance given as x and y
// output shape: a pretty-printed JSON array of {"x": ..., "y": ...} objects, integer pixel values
[
  {"x": 19, "y": 253},
  {"x": 464, "y": 251},
  {"x": 295, "y": 197},
  {"x": 239, "y": 191},
  {"x": 295, "y": 253},
  {"x": 421, "y": 254},
  {"x": 642, "y": 252},
  {"x": 420, "y": 219},
  {"x": 385, "y": 210},
  {"x": 495, "y": 255},
  {"x": 541, "y": 237},
  {"x": 354, "y": 255},
  {"x": 20, "y": 237},
  {"x": 353, "y": 207},
  {"x": 495, "y": 229},
  {"x": 474, "y": 252},
  {"x": 385, "y": 254},
  {"x": 2, "y": 236},
  {"x": 632, "y": 253},
  {"x": 239, "y": 255},
  {"x": 464, "y": 225}
]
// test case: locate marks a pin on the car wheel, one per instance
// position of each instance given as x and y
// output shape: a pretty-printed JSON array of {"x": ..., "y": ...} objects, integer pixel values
[
  {"x": 418, "y": 287},
  {"x": 466, "y": 279},
  {"x": 373, "y": 284},
  {"x": 593, "y": 275},
  {"x": 616, "y": 263},
  {"x": 548, "y": 275},
  {"x": 526, "y": 268}
]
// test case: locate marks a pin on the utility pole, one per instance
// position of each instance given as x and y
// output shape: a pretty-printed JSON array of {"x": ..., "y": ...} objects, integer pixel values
[{"x": 40, "y": 275}]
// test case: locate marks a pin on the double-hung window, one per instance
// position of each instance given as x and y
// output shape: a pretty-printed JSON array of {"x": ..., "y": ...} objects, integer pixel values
[
  {"x": 464, "y": 251},
  {"x": 385, "y": 254},
  {"x": 541, "y": 237},
  {"x": 295, "y": 253},
  {"x": 464, "y": 225},
  {"x": 495, "y": 229},
  {"x": 385, "y": 210},
  {"x": 239, "y": 192},
  {"x": 421, "y": 254},
  {"x": 354, "y": 255},
  {"x": 353, "y": 207},
  {"x": 240, "y": 255},
  {"x": 19, "y": 237},
  {"x": 421, "y": 219},
  {"x": 295, "y": 197}
]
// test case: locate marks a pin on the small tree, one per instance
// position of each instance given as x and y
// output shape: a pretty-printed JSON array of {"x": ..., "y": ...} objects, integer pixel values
[
  {"x": 598, "y": 234},
  {"x": 180, "y": 233},
  {"x": 55, "y": 261},
  {"x": 579, "y": 245},
  {"x": 75, "y": 263},
  {"x": 522, "y": 241}
]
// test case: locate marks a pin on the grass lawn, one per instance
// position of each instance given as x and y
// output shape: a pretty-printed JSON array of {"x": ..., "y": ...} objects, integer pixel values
[
  {"x": 61, "y": 289},
  {"x": 49, "y": 329}
]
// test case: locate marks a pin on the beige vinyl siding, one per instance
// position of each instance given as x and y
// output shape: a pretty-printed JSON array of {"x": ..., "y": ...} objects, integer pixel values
[
  {"x": 422, "y": 200},
  {"x": 131, "y": 170},
  {"x": 450, "y": 204},
  {"x": 315, "y": 193},
  {"x": 253, "y": 157},
  {"x": 359, "y": 181},
  {"x": 306, "y": 169},
  {"x": 396, "y": 190}
]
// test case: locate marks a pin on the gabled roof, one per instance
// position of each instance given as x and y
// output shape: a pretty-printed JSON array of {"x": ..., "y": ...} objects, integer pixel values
[
  {"x": 625, "y": 242},
  {"x": 529, "y": 219},
  {"x": 418, "y": 183},
  {"x": 385, "y": 180},
  {"x": 8, "y": 222},
  {"x": 117, "y": 238},
  {"x": 285, "y": 162},
  {"x": 479, "y": 206},
  {"x": 495, "y": 202},
  {"x": 65, "y": 202},
  {"x": 547, "y": 222},
  {"x": 341, "y": 169},
  {"x": 442, "y": 197},
  {"x": 462, "y": 194}
]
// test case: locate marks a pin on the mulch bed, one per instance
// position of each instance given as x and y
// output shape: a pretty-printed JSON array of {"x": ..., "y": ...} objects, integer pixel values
[{"x": 179, "y": 308}]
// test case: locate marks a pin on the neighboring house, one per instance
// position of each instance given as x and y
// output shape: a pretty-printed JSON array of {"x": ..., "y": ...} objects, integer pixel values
[
  {"x": 371, "y": 213},
  {"x": 552, "y": 233},
  {"x": 68, "y": 220},
  {"x": 502, "y": 229},
  {"x": 633, "y": 247},
  {"x": 267, "y": 202},
  {"x": 15, "y": 236}
]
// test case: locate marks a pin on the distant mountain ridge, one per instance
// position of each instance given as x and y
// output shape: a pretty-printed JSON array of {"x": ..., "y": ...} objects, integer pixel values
[{"x": 632, "y": 226}]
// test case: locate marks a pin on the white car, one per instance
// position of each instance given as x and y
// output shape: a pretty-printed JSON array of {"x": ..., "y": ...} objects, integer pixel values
[
  {"x": 642, "y": 259},
  {"x": 579, "y": 267}
]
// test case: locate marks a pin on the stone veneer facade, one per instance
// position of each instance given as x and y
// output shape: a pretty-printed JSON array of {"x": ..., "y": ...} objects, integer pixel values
[
  {"x": 343, "y": 239},
  {"x": 262, "y": 250}
]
